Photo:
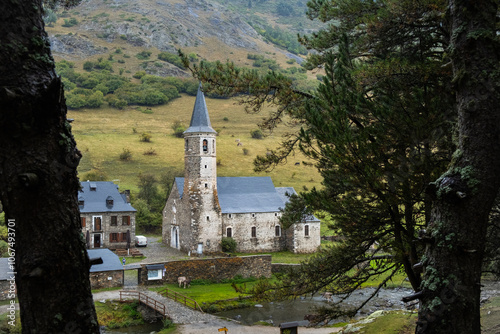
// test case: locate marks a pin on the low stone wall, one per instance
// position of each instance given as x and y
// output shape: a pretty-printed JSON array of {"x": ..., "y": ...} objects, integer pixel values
[
  {"x": 101, "y": 280},
  {"x": 215, "y": 269},
  {"x": 281, "y": 267}
]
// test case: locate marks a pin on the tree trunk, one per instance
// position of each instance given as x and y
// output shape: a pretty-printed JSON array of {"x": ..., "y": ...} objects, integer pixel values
[
  {"x": 38, "y": 181},
  {"x": 465, "y": 193}
]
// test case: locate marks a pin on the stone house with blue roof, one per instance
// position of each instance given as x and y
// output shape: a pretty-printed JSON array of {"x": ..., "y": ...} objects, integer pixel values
[
  {"x": 107, "y": 218},
  {"x": 202, "y": 208}
]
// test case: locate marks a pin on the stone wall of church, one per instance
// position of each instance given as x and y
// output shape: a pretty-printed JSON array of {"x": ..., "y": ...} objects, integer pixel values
[
  {"x": 107, "y": 227},
  {"x": 299, "y": 242},
  {"x": 265, "y": 238},
  {"x": 214, "y": 269}
]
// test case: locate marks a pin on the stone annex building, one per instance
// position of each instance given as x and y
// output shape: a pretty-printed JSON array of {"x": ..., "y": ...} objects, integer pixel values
[
  {"x": 203, "y": 208},
  {"x": 107, "y": 218}
]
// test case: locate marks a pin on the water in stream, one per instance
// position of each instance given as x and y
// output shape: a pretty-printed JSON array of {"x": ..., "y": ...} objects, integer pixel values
[
  {"x": 286, "y": 311},
  {"x": 140, "y": 329}
]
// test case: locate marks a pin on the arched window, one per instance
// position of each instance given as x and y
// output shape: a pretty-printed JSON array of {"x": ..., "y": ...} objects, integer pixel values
[
  {"x": 205, "y": 145},
  {"x": 229, "y": 232},
  {"x": 277, "y": 231},
  {"x": 254, "y": 232},
  {"x": 306, "y": 230}
]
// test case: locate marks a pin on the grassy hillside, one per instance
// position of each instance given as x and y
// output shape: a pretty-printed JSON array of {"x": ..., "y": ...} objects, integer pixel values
[{"x": 102, "y": 134}]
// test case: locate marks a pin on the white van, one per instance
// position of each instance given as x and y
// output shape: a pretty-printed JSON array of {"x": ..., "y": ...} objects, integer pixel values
[{"x": 141, "y": 241}]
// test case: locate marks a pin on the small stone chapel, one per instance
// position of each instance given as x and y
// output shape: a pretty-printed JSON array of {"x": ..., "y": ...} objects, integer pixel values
[{"x": 202, "y": 208}]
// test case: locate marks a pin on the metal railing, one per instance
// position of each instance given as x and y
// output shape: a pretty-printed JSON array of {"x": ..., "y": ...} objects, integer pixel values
[
  {"x": 180, "y": 298},
  {"x": 145, "y": 299}
]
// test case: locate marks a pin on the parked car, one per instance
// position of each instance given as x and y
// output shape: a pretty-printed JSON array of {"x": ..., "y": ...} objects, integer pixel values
[{"x": 141, "y": 241}]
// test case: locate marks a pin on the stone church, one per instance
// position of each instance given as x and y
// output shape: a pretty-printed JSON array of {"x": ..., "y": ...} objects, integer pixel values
[{"x": 203, "y": 208}]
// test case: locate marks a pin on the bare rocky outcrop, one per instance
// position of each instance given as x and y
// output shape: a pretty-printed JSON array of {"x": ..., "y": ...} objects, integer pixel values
[{"x": 162, "y": 24}]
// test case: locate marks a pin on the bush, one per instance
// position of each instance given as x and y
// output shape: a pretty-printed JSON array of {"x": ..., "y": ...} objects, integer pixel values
[
  {"x": 178, "y": 128},
  {"x": 171, "y": 58},
  {"x": 245, "y": 151},
  {"x": 257, "y": 134},
  {"x": 143, "y": 55},
  {"x": 139, "y": 74},
  {"x": 75, "y": 101},
  {"x": 94, "y": 175},
  {"x": 145, "y": 137},
  {"x": 228, "y": 245},
  {"x": 70, "y": 23},
  {"x": 126, "y": 155}
]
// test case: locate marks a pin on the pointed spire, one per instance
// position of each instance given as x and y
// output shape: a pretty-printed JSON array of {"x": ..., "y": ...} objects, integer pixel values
[{"x": 200, "y": 122}]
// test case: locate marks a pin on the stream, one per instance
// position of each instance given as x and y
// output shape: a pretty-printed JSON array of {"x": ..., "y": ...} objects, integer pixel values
[{"x": 295, "y": 310}]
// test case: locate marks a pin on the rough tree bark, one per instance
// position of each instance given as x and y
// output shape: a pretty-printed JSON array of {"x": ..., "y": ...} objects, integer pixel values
[
  {"x": 464, "y": 195},
  {"x": 38, "y": 181}
]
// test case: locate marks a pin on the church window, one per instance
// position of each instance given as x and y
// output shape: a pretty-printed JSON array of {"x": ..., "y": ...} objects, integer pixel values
[
  {"x": 229, "y": 232},
  {"x": 205, "y": 166},
  {"x": 206, "y": 185},
  {"x": 213, "y": 145},
  {"x": 205, "y": 145},
  {"x": 208, "y": 218},
  {"x": 254, "y": 232},
  {"x": 230, "y": 216},
  {"x": 306, "y": 230},
  {"x": 277, "y": 230},
  {"x": 253, "y": 215}
]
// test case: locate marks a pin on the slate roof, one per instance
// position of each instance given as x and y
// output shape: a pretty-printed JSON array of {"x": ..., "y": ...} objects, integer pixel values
[
  {"x": 244, "y": 194},
  {"x": 110, "y": 261},
  {"x": 4, "y": 269},
  {"x": 95, "y": 200},
  {"x": 200, "y": 122},
  {"x": 285, "y": 193}
]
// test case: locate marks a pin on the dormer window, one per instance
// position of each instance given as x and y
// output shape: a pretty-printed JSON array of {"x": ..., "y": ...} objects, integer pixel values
[
  {"x": 93, "y": 186},
  {"x": 205, "y": 145},
  {"x": 81, "y": 202},
  {"x": 109, "y": 201}
]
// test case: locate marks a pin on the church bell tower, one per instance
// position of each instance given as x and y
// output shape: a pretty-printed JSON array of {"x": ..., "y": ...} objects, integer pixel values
[{"x": 200, "y": 180}]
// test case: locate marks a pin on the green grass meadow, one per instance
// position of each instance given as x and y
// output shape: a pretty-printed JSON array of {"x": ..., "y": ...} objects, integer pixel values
[{"x": 102, "y": 135}]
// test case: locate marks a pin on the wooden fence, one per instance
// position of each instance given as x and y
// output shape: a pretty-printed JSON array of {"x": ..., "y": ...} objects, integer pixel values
[{"x": 180, "y": 298}]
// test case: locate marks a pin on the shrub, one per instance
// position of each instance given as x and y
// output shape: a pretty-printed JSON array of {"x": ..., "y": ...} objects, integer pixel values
[
  {"x": 245, "y": 151},
  {"x": 94, "y": 175},
  {"x": 178, "y": 128},
  {"x": 70, "y": 22},
  {"x": 139, "y": 74},
  {"x": 225, "y": 119},
  {"x": 88, "y": 66},
  {"x": 151, "y": 151},
  {"x": 171, "y": 58},
  {"x": 95, "y": 100},
  {"x": 257, "y": 134},
  {"x": 143, "y": 55},
  {"x": 75, "y": 101},
  {"x": 126, "y": 155},
  {"x": 145, "y": 137},
  {"x": 228, "y": 245}
]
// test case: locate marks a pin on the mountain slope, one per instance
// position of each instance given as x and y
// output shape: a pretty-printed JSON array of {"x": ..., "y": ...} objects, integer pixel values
[{"x": 207, "y": 28}]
